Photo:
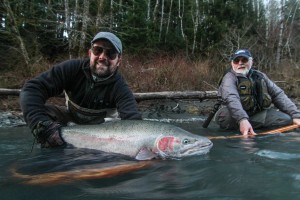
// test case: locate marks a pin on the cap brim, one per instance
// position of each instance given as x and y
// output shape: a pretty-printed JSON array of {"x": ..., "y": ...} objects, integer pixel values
[
  {"x": 104, "y": 38},
  {"x": 240, "y": 55}
]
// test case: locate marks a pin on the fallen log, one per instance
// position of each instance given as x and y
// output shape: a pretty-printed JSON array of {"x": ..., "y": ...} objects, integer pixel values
[
  {"x": 148, "y": 95},
  {"x": 12, "y": 92},
  {"x": 176, "y": 95}
]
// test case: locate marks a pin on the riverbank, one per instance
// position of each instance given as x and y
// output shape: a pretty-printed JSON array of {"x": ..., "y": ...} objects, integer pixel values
[
  {"x": 162, "y": 110},
  {"x": 10, "y": 112},
  {"x": 166, "y": 110}
]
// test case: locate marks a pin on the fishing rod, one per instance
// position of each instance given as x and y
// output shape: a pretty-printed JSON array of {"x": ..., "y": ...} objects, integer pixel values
[{"x": 274, "y": 131}]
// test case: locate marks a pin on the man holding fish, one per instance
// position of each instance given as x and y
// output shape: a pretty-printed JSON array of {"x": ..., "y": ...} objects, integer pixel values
[{"x": 93, "y": 87}]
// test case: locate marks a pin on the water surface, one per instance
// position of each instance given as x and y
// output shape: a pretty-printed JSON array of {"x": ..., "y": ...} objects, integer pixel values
[{"x": 264, "y": 167}]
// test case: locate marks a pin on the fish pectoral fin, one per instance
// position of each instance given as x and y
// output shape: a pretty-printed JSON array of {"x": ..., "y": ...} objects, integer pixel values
[{"x": 145, "y": 154}]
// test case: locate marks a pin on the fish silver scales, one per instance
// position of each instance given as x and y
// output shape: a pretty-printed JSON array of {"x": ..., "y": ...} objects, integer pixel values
[{"x": 140, "y": 139}]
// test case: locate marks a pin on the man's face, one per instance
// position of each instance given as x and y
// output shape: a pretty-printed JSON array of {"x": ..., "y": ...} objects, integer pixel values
[
  {"x": 241, "y": 65},
  {"x": 104, "y": 58}
]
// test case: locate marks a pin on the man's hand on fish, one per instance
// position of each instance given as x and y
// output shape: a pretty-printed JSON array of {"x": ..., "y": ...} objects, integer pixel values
[{"x": 48, "y": 134}]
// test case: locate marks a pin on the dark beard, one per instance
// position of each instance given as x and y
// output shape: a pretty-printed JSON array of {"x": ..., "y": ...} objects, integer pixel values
[{"x": 102, "y": 74}]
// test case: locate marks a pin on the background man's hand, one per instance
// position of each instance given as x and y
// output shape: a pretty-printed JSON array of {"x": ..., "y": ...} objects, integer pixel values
[
  {"x": 296, "y": 121},
  {"x": 246, "y": 128}
]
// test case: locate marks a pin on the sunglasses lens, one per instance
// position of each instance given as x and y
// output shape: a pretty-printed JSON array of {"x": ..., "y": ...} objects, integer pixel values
[
  {"x": 244, "y": 60},
  {"x": 237, "y": 60},
  {"x": 110, "y": 53},
  {"x": 97, "y": 50}
]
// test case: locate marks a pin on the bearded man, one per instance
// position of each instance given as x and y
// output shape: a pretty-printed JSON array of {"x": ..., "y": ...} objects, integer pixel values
[
  {"x": 250, "y": 100},
  {"x": 94, "y": 90}
]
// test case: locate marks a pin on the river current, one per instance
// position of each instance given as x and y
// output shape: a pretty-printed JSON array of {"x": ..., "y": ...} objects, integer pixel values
[{"x": 263, "y": 167}]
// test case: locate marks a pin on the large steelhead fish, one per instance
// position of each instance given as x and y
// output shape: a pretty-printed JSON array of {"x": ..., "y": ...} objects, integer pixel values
[{"x": 139, "y": 139}]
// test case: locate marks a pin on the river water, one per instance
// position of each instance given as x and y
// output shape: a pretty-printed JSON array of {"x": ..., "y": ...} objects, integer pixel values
[{"x": 264, "y": 167}]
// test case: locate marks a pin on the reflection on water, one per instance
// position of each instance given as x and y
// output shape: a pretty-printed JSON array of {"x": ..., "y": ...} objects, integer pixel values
[
  {"x": 265, "y": 167},
  {"x": 277, "y": 155}
]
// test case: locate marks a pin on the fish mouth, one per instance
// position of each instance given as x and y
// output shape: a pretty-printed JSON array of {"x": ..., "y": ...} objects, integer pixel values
[
  {"x": 191, "y": 150},
  {"x": 198, "y": 149}
]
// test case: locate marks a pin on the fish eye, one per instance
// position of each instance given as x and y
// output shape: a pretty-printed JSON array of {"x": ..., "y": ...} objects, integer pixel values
[{"x": 186, "y": 141}]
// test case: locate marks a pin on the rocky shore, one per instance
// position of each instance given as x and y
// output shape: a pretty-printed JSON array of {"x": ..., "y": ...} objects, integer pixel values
[
  {"x": 11, "y": 115},
  {"x": 10, "y": 112},
  {"x": 11, "y": 119}
]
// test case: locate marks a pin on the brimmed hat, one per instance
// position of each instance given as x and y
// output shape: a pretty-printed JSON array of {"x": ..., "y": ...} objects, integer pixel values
[
  {"x": 110, "y": 37},
  {"x": 241, "y": 53}
]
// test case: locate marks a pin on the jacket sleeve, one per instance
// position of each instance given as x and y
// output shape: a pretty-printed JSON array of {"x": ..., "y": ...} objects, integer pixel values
[
  {"x": 125, "y": 102},
  {"x": 280, "y": 99},
  {"x": 229, "y": 92},
  {"x": 38, "y": 90}
]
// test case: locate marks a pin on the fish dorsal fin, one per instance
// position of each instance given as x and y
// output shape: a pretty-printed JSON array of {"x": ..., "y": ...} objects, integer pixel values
[{"x": 145, "y": 154}]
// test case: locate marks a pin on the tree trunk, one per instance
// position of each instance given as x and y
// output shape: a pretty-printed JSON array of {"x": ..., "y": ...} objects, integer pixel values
[
  {"x": 196, "y": 24},
  {"x": 148, "y": 95},
  {"x": 280, "y": 36},
  {"x": 99, "y": 13},
  {"x": 85, "y": 18},
  {"x": 169, "y": 19},
  {"x": 289, "y": 38},
  {"x": 176, "y": 95},
  {"x": 148, "y": 10},
  {"x": 15, "y": 30},
  {"x": 180, "y": 15},
  {"x": 111, "y": 18},
  {"x": 67, "y": 25},
  {"x": 155, "y": 11},
  {"x": 161, "y": 19},
  {"x": 74, "y": 32}
]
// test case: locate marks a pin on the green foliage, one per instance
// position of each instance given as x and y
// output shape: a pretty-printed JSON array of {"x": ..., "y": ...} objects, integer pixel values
[{"x": 197, "y": 29}]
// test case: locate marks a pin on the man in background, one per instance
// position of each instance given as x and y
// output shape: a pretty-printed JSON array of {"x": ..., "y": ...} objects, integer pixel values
[{"x": 247, "y": 95}]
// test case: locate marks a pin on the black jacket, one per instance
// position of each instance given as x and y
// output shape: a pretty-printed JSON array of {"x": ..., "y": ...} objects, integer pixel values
[{"x": 74, "y": 77}]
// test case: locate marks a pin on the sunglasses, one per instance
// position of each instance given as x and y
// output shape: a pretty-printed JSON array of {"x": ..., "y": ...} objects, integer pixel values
[
  {"x": 243, "y": 59},
  {"x": 110, "y": 53}
]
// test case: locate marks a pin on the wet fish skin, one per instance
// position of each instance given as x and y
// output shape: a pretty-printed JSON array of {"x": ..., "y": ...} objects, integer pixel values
[{"x": 139, "y": 139}]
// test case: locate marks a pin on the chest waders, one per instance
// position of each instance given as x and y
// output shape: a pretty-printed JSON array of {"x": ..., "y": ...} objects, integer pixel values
[{"x": 89, "y": 116}]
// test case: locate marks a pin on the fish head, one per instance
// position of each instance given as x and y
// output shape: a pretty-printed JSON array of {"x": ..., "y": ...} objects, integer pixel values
[{"x": 177, "y": 147}]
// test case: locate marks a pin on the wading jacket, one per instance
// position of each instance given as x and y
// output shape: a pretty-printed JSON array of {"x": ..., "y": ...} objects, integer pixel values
[
  {"x": 74, "y": 78},
  {"x": 229, "y": 91}
]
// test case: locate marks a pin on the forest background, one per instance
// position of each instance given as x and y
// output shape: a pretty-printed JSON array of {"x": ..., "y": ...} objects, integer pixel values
[{"x": 169, "y": 45}]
